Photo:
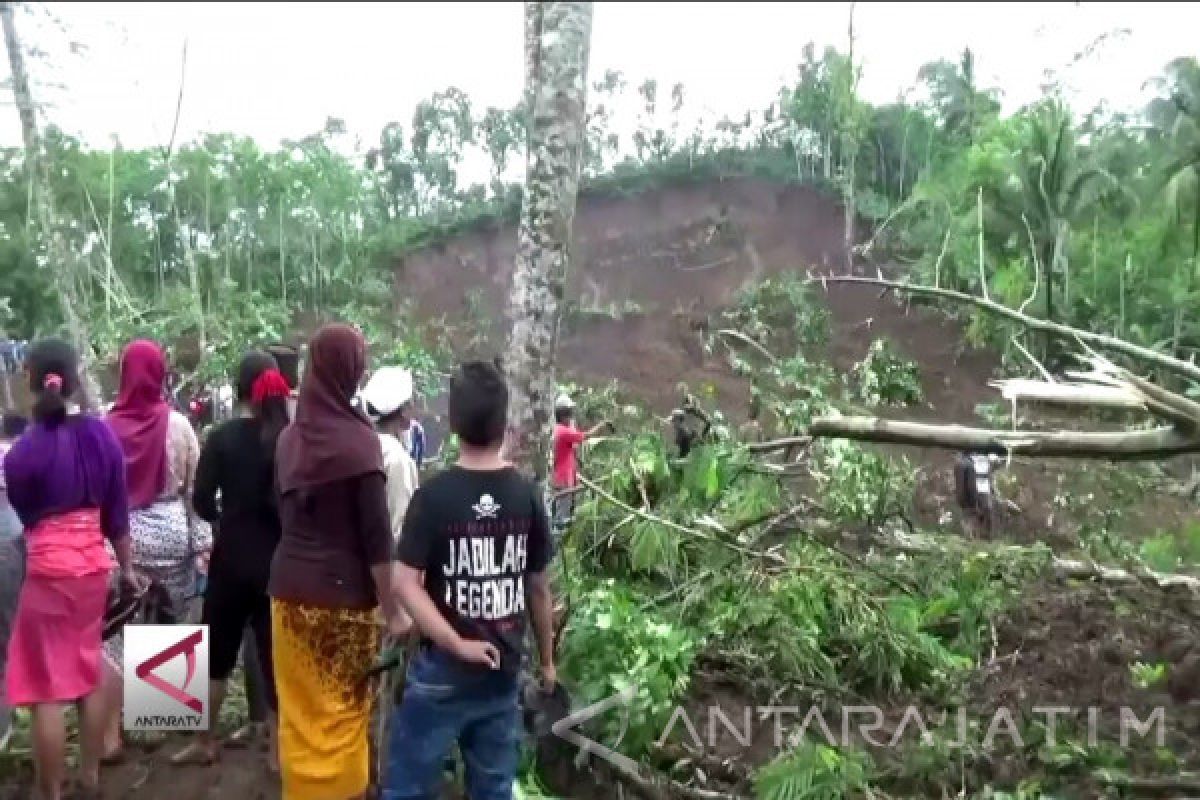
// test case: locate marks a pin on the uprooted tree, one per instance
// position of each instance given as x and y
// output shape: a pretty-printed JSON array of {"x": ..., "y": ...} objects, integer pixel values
[{"x": 1104, "y": 385}]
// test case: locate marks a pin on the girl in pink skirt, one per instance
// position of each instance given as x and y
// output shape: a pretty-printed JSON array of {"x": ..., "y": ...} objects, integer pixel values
[{"x": 66, "y": 481}]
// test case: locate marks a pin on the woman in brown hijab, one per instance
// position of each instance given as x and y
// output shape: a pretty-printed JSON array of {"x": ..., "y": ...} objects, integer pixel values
[{"x": 332, "y": 569}]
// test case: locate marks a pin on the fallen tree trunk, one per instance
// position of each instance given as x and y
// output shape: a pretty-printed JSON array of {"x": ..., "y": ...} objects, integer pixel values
[
  {"x": 1056, "y": 329},
  {"x": 1148, "y": 445},
  {"x": 1106, "y": 385}
]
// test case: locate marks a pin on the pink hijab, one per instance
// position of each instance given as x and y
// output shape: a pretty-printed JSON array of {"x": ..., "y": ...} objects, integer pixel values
[{"x": 139, "y": 418}]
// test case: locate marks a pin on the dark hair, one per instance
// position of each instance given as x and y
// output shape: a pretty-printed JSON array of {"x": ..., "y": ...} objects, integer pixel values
[
  {"x": 253, "y": 364},
  {"x": 287, "y": 359},
  {"x": 478, "y": 403},
  {"x": 561, "y": 415},
  {"x": 52, "y": 357},
  {"x": 272, "y": 415},
  {"x": 272, "y": 412},
  {"x": 14, "y": 426}
]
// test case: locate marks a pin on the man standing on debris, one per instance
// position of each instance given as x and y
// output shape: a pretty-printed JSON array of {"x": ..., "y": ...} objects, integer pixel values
[{"x": 567, "y": 439}]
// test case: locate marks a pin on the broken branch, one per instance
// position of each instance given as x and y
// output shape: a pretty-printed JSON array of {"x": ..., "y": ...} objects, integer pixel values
[{"x": 1100, "y": 340}]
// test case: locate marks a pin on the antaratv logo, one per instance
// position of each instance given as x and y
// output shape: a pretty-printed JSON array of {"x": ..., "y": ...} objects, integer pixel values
[{"x": 166, "y": 678}]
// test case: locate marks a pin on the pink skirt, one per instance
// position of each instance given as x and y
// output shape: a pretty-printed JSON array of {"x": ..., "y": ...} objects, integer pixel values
[{"x": 54, "y": 653}]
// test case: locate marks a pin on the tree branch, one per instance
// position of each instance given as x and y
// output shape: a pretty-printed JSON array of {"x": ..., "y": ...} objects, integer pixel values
[
  {"x": 675, "y": 526},
  {"x": 178, "y": 106},
  {"x": 1100, "y": 340},
  {"x": 1151, "y": 444}
]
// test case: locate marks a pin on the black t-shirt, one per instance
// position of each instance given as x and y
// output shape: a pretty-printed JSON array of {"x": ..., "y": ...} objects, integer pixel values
[
  {"x": 234, "y": 490},
  {"x": 478, "y": 535}
]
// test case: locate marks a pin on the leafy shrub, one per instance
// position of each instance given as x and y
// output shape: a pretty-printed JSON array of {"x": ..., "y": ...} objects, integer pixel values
[
  {"x": 813, "y": 772},
  {"x": 782, "y": 303},
  {"x": 884, "y": 378},
  {"x": 804, "y": 390},
  {"x": 1169, "y": 552},
  {"x": 820, "y": 625},
  {"x": 1146, "y": 676},
  {"x": 247, "y": 319},
  {"x": 610, "y": 644},
  {"x": 859, "y": 484}
]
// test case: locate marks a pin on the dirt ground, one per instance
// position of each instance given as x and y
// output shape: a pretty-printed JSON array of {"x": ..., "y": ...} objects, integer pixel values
[{"x": 666, "y": 262}]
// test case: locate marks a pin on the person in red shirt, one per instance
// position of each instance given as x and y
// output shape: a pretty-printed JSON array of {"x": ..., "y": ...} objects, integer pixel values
[{"x": 566, "y": 461}]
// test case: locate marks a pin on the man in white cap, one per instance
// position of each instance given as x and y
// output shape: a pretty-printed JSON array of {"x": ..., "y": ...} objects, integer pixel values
[
  {"x": 566, "y": 465},
  {"x": 387, "y": 400}
]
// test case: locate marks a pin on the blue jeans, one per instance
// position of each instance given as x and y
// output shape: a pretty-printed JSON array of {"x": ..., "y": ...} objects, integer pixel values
[{"x": 446, "y": 702}]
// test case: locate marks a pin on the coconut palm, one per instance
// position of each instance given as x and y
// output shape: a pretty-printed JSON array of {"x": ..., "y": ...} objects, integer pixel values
[
  {"x": 954, "y": 91},
  {"x": 1054, "y": 185},
  {"x": 1175, "y": 119}
]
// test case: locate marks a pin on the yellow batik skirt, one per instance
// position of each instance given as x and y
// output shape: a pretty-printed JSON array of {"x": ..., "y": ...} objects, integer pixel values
[{"x": 321, "y": 655}]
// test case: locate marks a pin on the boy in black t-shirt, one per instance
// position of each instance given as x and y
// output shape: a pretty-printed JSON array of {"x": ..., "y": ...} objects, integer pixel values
[{"x": 473, "y": 555}]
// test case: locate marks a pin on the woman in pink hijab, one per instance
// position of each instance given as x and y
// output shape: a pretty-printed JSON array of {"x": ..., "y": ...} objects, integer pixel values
[{"x": 161, "y": 452}]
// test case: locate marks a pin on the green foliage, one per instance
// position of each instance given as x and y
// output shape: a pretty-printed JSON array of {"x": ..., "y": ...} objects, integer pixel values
[
  {"x": 860, "y": 484},
  {"x": 803, "y": 390},
  {"x": 612, "y": 644},
  {"x": 782, "y": 303},
  {"x": 814, "y": 772},
  {"x": 885, "y": 378},
  {"x": 707, "y": 473},
  {"x": 822, "y": 625},
  {"x": 249, "y": 319},
  {"x": 1171, "y": 551},
  {"x": 647, "y": 470},
  {"x": 1147, "y": 676}
]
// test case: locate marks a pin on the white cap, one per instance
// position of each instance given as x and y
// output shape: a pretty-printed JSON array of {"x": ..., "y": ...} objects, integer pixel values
[
  {"x": 564, "y": 402},
  {"x": 387, "y": 390}
]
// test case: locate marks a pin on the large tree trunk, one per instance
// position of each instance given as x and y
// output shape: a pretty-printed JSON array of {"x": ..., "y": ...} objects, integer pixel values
[
  {"x": 56, "y": 255},
  {"x": 1146, "y": 445},
  {"x": 1106, "y": 385},
  {"x": 557, "y": 42}
]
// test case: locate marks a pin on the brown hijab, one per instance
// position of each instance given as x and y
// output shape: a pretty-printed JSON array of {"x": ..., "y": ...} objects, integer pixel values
[{"x": 329, "y": 440}]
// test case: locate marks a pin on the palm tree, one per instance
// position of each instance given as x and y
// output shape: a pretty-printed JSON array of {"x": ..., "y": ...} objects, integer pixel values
[
  {"x": 1175, "y": 118},
  {"x": 1054, "y": 186},
  {"x": 961, "y": 104}
]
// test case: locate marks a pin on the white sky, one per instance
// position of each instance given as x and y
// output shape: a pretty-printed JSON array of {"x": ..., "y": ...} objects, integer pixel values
[{"x": 278, "y": 70}]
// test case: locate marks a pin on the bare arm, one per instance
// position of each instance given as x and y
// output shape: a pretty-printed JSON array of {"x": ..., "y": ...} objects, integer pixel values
[
  {"x": 434, "y": 626},
  {"x": 385, "y": 591},
  {"x": 596, "y": 430},
  {"x": 375, "y": 530},
  {"x": 124, "y": 552},
  {"x": 420, "y": 605}
]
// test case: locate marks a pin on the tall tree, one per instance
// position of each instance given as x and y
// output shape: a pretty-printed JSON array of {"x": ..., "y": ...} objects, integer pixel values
[
  {"x": 1175, "y": 117},
  {"x": 1057, "y": 185},
  {"x": 954, "y": 90},
  {"x": 851, "y": 122},
  {"x": 56, "y": 255},
  {"x": 557, "y": 43}
]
